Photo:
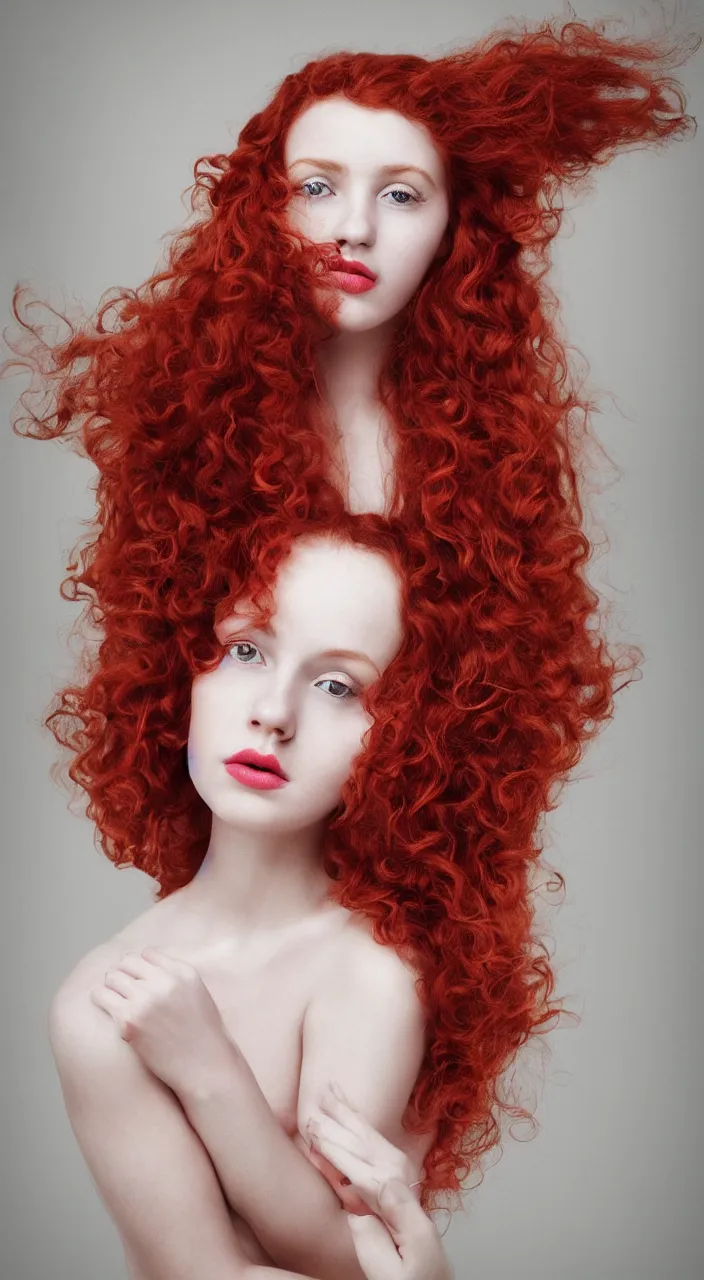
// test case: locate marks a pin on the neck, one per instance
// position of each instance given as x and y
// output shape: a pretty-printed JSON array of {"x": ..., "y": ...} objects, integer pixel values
[
  {"x": 256, "y": 881},
  {"x": 349, "y": 367}
]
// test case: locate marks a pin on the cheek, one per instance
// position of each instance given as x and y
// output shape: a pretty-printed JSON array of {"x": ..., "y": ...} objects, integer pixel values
[
  {"x": 414, "y": 240},
  {"x": 306, "y": 219},
  {"x": 338, "y": 750},
  {"x": 411, "y": 262},
  {"x": 197, "y": 747},
  {"x": 209, "y": 701}
]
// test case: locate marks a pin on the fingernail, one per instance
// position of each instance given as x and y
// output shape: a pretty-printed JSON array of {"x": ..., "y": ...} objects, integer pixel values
[{"x": 345, "y": 1182}]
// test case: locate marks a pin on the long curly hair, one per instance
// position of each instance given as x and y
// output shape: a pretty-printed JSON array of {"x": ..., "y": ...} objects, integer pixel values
[{"x": 195, "y": 396}]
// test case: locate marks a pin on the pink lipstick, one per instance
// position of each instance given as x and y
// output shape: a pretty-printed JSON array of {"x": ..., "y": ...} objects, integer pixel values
[
  {"x": 351, "y": 276},
  {"x": 262, "y": 773}
]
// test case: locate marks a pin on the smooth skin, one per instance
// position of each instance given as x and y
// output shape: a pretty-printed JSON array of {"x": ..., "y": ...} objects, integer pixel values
[
  {"x": 257, "y": 927},
  {"x": 254, "y": 930},
  {"x": 400, "y": 1242},
  {"x": 160, "y": 1005},
  {"x": 374, "y": 183}
]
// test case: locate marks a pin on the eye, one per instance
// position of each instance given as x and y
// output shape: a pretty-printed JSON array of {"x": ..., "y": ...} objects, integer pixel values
[
  {"x": 336, "y": 688},
  {"x": 407, "y": 197},
  {"x": 245, "y": 651},
  {"x": 314, "y": 182},
  {"x": 411, "y": 197}
]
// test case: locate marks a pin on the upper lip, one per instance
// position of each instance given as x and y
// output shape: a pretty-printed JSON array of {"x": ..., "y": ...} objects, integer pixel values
[
  {"x": 355, "y": 268},
  {"x": 248, "y": 756}
]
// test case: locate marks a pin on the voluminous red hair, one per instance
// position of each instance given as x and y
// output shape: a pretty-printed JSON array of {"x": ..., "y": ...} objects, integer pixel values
[{"x": 195, "y": 397}]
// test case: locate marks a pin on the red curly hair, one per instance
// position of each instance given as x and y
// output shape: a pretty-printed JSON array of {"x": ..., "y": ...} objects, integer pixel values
[{"x": 195, "y": 397}]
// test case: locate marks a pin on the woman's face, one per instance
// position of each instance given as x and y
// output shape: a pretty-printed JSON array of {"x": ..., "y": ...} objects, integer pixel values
[
  {"x": 291, "y": 691},
  {"x": 374, "y": 183}
]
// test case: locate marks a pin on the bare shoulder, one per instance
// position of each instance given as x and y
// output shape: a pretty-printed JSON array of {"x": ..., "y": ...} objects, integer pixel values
[
  {"x": 80, "y": 1034},
  {"x": 370, "y": 966},
  {"x": 152, "y": 1171},
  {"x": 71, "y": 996},
  {"x": 139, "y": 932}
]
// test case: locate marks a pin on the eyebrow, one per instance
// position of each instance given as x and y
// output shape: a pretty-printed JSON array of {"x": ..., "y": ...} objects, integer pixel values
[
  {"x": 245, "y": 623},
  {"x": 389, "y": 169},
  {"x": 347, "y": 653}
]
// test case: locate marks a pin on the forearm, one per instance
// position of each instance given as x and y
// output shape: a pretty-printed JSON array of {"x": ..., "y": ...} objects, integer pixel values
[
  {"x": 289, "y": 1205},
  {"x": 238, "y": 1270},
  {"x": 151, "y": 1170}
]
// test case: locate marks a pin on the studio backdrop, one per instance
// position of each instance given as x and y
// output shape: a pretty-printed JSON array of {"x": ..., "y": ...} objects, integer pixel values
[{"x": 104, "y": 110}]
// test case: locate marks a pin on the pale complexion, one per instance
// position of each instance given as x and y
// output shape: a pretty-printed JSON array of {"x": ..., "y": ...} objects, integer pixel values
[
  {"x": 262, "y": 934},
  {"x": 373, "y": 183},
  {"x": 188, "y": 981},
  {"x": 292, "y": 691}
]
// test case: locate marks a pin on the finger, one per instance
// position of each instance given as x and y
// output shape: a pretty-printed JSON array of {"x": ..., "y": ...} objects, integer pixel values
[
  {"x": 121, "y": 982},
  {"x": 411, "y": 1228},
  {"x": 109, "y": 1001},
  {"x": 329, "y": 1129},
  {"x": 136, "y": 965},
  {"x": 361, "y": 1174},
  {"x": 350, "y": 1199},
  {"x": 372, "y": 1141},
  {"x": 164, "y": 960},
  {"x": 350, "y": 1119},
  {"x": 376, "y": 1251}
]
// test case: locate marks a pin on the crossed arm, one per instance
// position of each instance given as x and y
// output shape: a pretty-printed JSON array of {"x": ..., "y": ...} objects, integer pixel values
[
  {"x": 162, "y": 1173},
  {"x": 152, "y": 1171}
]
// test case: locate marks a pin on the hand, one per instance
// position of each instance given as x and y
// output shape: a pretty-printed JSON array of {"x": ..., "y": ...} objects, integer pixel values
[
  {"x": 405, "y": 1245},
  {"x": 164, "y": 1010},
  {"x": 401, "y": 1243},
  {"x": 358, "y": 1151}
]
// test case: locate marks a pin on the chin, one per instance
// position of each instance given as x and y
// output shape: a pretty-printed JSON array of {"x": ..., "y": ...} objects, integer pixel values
[{"x": 356, "y": 323}]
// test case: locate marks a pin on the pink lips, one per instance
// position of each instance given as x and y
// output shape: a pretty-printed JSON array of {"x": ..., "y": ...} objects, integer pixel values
[
  {"x": 353, "y": 284},
  {"x": 352, "y": 276},
  {"x": 262, "y": 773}
]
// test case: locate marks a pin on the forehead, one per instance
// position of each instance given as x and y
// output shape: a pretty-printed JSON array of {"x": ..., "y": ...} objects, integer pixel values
[
  {"x": 336, "y": 596},
  {"x": 343, "y": 131}
]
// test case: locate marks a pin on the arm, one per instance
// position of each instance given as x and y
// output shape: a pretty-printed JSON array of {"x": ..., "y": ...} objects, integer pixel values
[
  {"x": 400, "y": 1242},
  {"x": 364, "y": 1029},
  {"x": 151, "y": 1170}
]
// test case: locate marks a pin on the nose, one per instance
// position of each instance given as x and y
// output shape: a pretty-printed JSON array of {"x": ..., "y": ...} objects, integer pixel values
[
  {"x": 355, "y": 218},
  {"x": 273, "y": 711}
]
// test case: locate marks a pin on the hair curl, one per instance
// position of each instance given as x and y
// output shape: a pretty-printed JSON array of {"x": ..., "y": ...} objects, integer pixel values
[{"x": 195, "y": 397}]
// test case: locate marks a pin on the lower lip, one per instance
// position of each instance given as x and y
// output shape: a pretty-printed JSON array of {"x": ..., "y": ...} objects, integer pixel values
[
  {"x": 259, "y": 779},
  {"x": 353, "y": 284}
]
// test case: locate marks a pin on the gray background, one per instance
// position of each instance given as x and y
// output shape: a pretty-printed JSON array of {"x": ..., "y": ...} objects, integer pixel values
[{"x": 103, "y": 110}]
